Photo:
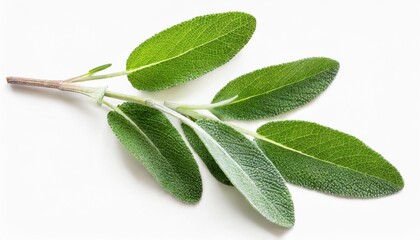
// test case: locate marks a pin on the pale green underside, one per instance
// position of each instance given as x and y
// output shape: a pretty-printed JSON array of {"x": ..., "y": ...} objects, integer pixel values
[
  {"x": 204, "y": 154},
  {"x": 327, "y": 160},
  {"x": 276, "y": 89},
  {"x": 249, "y": 170},
  {"x": 154, "y": 142},
  {"x": 188, "y": 50}
]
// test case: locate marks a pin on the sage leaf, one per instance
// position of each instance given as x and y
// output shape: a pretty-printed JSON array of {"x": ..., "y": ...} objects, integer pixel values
[
  {"x": 99, "y": 68},
  {"x": 276, "y": 89},
  {"x": 204, "y": 154},
  {"x": 249, "y": 171},
  {"x": 150, "y": 137},
  {"x": 324, "y": 159},
  {"x": 188, "y": 50}
]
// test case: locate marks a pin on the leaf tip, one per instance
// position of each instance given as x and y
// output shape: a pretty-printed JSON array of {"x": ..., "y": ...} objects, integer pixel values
[{"x": 399, "y": 181}]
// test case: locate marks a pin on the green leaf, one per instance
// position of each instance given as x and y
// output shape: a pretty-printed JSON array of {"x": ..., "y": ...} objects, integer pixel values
[
  {"x": 249, "y": 170},
  {"x": 204, "y": 154},
  {"x": 276, "y": 89},
  {"x": 188, "y": 50},
  {"x": 99, "y": 68},
  {"x": 324, "y": 159},
  {"x": 150, "y": 137}
]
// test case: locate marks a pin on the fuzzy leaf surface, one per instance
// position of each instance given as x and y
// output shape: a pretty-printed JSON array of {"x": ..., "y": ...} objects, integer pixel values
[
  {"x": 188, "y": 50},
  {"x": 204, "y": 154},
  {"x": 249, "y": 171},
  {"x": 276, "y": 89},
  {"x": 154, "y": 142},
  {"x": 324, "y": 159}
]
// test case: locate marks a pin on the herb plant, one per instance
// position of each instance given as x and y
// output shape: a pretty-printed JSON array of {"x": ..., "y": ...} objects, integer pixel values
[{"x": 258, "y": 164}]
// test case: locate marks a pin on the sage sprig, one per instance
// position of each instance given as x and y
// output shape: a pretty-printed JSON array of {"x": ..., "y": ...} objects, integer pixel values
[{"x": 258, "y": 164}]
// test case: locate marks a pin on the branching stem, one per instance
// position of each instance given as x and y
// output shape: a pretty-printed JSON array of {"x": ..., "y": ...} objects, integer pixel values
[
  {"x": 172, "y": 109},
  {"x": 125, "y": 97},
  {"x": 85, "y": 78}
]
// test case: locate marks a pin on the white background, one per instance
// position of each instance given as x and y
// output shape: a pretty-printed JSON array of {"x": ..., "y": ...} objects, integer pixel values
[{"x": 63, "y": 174}]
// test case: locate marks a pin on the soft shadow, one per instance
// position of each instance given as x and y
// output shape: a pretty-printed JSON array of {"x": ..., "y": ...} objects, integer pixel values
[{"x": 237, "y": 201}]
